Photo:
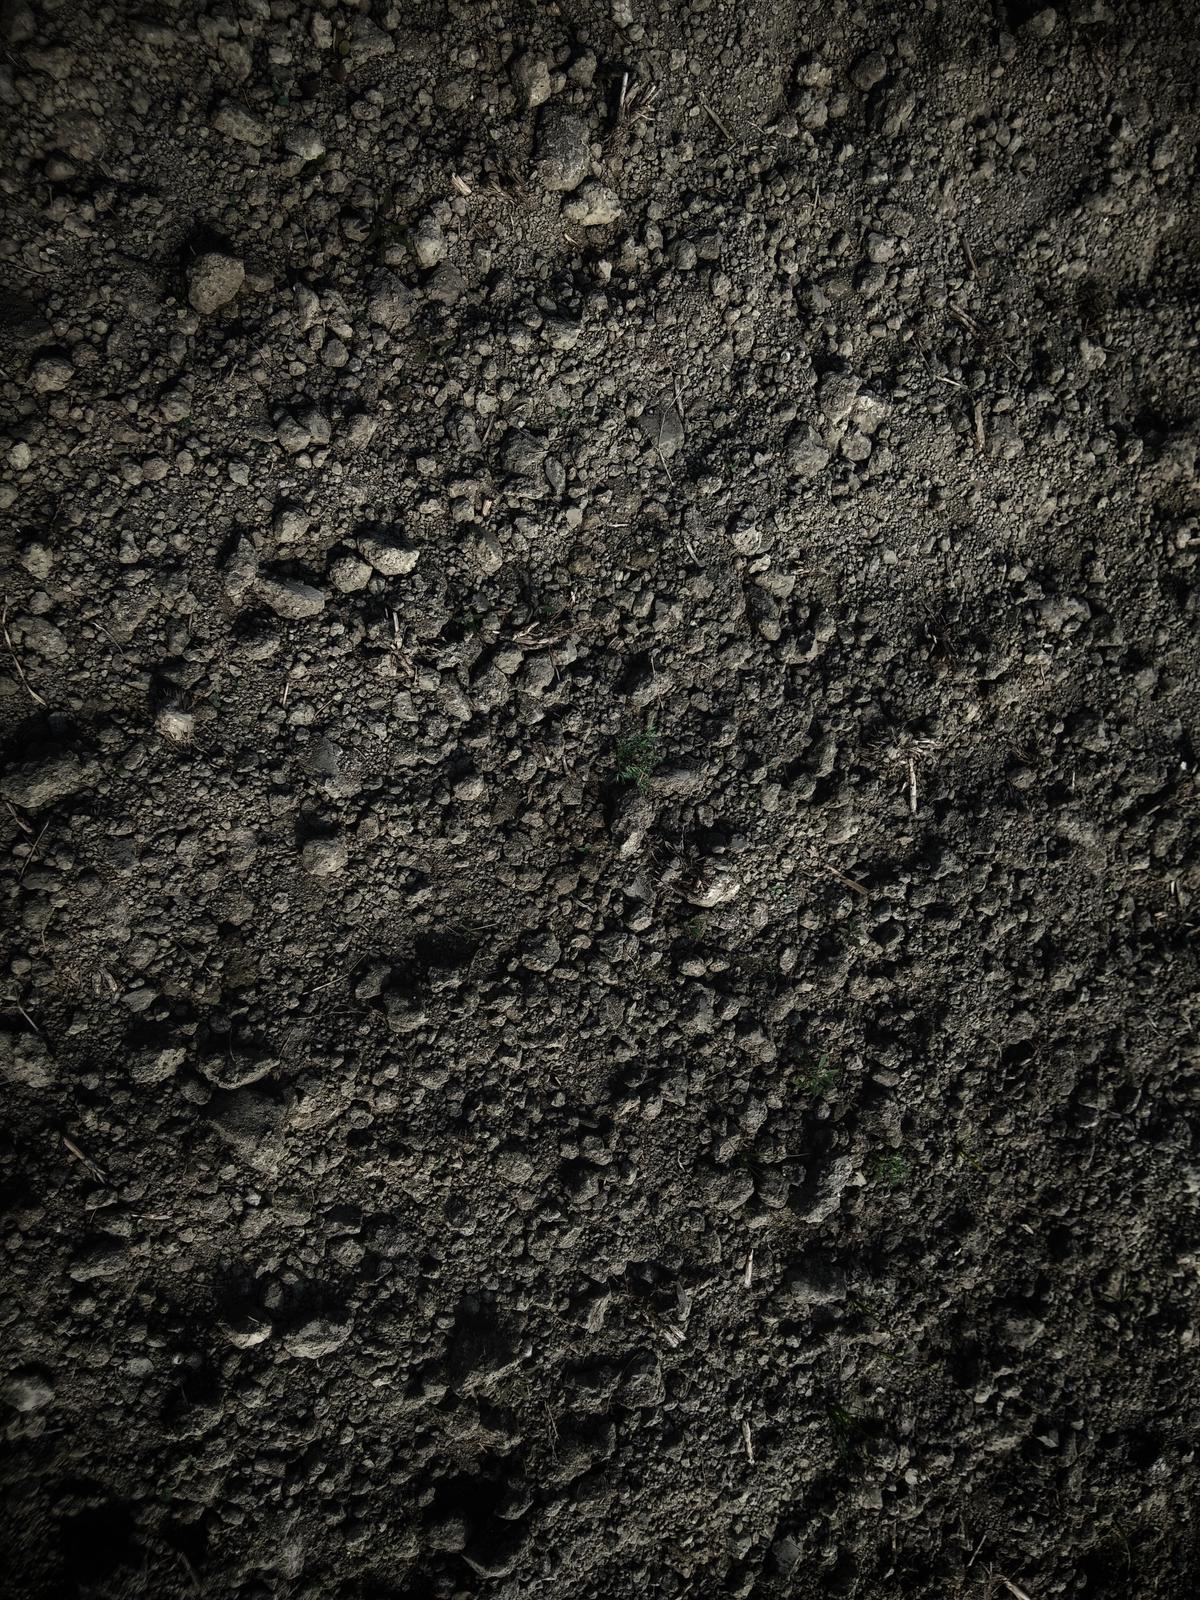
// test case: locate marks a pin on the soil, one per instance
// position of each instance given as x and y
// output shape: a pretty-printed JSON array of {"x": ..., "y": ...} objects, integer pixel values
[{"x": 599, "y": 701}]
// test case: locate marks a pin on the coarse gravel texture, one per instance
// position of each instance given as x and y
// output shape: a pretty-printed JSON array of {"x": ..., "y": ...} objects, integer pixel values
[{"x": 600, "y": 727}]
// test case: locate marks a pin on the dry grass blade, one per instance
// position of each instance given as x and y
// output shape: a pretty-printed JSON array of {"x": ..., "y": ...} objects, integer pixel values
[
  {"x": 73, "y": 1149},
  {"x": 19, "y": 819},
  {"x": 535, "y": 638},
  {"x": 33, "y": 850},
  {"x": 17, "y": 1006},
  {"x": 850, "y": 883},
  {"x": 634, "y": 101},
  {"x": 716, "y": 119},
  {"x": 965, "y": 319},
  {"x": 32, "y": 692}
]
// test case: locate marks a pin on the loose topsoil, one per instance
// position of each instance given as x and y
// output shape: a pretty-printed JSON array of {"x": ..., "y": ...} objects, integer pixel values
[{"x": 600, "y": 726}]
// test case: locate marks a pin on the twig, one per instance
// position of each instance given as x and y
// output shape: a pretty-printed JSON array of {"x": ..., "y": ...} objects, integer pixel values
[
  {"x": 19, "y": 819},
  {"x": 17, "y": 1006},
  {"x": 748, "y": 1275},
  {"x": 912, "y": 786},
  {"x": 969, "y": 323},
  {"x": 920, "y": 344},
  {"x": 74, "y": 1150},
  {"x": 338, "y": 977},
  {"x": 33, "y": 694},
  {"x": 851, "y": 883},
  {"x": 193, "y": 1576},
  {"x": 748, "y": 1442},
  {"x": 728, "y": 136},
  {"x": 32, "y": 853}
]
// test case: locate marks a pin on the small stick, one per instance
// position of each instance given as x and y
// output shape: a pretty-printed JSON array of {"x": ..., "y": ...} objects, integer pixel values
[
  {"x": 851, "y": 883},
  {"x": 970, "y": 257},
  {"x": 27, "y": 1017},
  {"x": 728, "y": 136},
  {"x": 912, "y": 786},
  {"x": 74, "y": 1149},
  {"x": 29, "y": 859},
  {"x": 978, "y": 414},
  {"x": 748, "y": 1276},
  {"x": 749, "y": 1443},
  {"x": 33, "y": 694},
  {"x": 920, "y": 344},
  {"x": 190, "y": 1570},
  {"x": 19, "y": 819}
]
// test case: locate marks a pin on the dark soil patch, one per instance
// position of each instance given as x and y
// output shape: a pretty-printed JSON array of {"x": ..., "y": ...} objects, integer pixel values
[{"x": 600, "y": 725}]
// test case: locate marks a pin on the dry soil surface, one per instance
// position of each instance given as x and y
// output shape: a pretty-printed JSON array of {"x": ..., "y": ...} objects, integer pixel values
[{"x": 599, "y": 692}]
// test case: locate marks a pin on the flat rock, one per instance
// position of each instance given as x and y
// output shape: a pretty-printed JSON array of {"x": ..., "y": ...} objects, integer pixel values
[
  {"x": 235, "y": 122},
  {"x": 25, "y": 1059},
  {"x": 27, "y": 1390},
  {"x": 367, "y": 42},
  {"x": 51, "y": 373},
  {"x": 531, "y": 78},
  {"x": 728, "y": 1190},
  {"x": 593, "y": 207},
  {"x": 252, "y": 1121},
  {"x": 389, "y": 301},
  {"x": 320, "y": 1336},
  {"x": 34, "y": 784},
  {"x": 390, "y": 555},
  {"x": 246, "y": 1332},
  {"x": 323, "y": 858},
  {"x": 289, "y": 598}
]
